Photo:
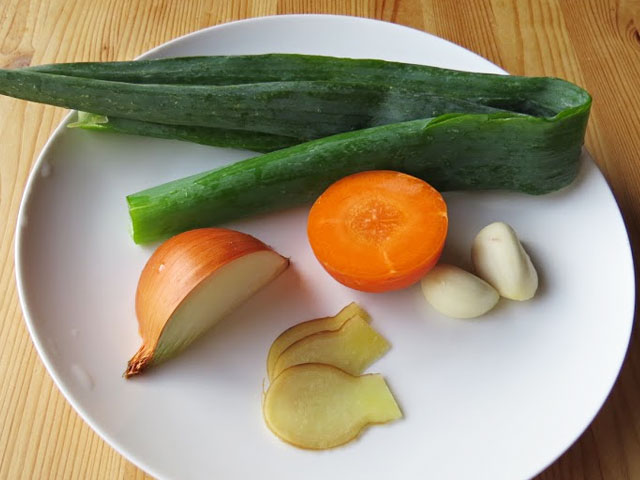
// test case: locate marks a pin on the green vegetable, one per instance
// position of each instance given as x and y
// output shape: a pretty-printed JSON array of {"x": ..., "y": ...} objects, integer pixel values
[
  {"x": 305, "y": 109},
  {"x": 452, "y": 152},
  {"x": 536, "y": 96},
  {"x": 256, "y": 141},
  {"x": 457, "y": 130},
  {"x": 277, "y": 67}
]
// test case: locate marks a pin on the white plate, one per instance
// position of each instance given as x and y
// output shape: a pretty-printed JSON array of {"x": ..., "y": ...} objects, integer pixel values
[{"x": 496, "y": 398}]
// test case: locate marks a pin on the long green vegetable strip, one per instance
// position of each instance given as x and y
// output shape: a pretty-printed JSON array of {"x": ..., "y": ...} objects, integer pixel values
[
  {"x": 298, "y": 109},
  {"x": 217, "y": 137},
  {"x": 526, "y": 95},
  {"x": 457, "y": 130},
  {"x": 236, "y": 69},
  {"x": 452, "y": 152}
]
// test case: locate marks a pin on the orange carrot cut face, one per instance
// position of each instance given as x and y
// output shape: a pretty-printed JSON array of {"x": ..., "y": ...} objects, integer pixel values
[{"x": 379, "y": 230}]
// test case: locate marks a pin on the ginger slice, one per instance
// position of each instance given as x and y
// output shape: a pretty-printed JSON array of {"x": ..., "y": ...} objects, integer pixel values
[
  {"x": 310, "y": 327},
  {"x": 317, "y": 406},
  {"x": 352, "y": 348}
]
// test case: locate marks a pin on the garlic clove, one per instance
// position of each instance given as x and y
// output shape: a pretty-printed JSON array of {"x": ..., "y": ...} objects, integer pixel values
[
  {"x": 500, "y": 259},
  {"x": 457, "y": 293}
]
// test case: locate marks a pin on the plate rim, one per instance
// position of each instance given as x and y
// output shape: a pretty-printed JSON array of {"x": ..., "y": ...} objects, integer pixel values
[{"x": 35, "y": 169}]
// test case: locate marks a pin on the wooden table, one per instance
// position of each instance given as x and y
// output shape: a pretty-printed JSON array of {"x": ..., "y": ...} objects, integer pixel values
[{"x": 595, "y": 43}]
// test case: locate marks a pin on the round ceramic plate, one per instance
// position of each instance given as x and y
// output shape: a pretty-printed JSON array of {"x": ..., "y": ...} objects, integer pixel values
[{"x": 499, "y": 398}]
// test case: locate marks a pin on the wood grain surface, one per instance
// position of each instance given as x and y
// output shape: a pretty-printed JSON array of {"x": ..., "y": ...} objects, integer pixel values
[{"x": 595, "y": 43}]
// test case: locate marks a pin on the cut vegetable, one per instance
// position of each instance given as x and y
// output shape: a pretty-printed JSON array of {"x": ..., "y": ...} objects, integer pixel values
[
  {"x": 190, "y": 282},
  {"x": 500, "y": 259},
  {"x": 318, "y": 406},
  {"x": 352, "y": 348},
  {"x": 304, "y": 329},
  {"x": 530, "y": 95},
  {"x": 457, "y": 293},
  {"x": 379, "y": 230},
  {"x": 531, "y": 145},
  {"x": 301, "y": 109},
  {"x": 453, "y": 152}
]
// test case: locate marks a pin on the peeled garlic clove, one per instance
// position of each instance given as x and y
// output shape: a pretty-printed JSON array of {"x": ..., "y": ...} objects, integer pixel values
[
  {"x": 457, "y": 293},
  {"x": 500, "y": 259}
]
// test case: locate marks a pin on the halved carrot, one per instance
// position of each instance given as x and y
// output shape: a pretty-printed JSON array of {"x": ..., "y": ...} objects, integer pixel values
[{"x": 378, "y": 230}]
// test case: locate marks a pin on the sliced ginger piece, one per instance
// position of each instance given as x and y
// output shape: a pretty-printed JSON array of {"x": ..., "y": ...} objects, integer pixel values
[
  {"x": 310, "y": 327},
  {"x": 352, "y": 348},
  {"x": 318, "y": 406}
]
